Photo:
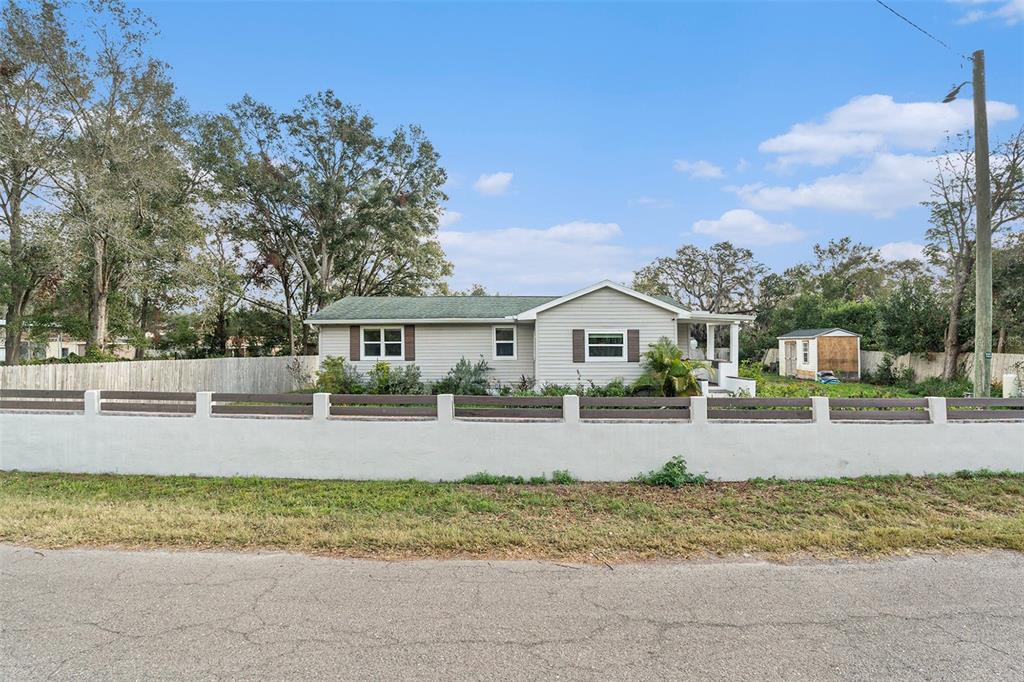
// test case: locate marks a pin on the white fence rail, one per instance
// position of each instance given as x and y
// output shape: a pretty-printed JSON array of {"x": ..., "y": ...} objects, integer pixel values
[
  {"x": 243, "y": 375},
  {"x": 730, "y": 439}
]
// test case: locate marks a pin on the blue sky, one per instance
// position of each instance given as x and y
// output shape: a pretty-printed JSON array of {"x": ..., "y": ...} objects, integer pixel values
[{"x": 583, "y": 139}]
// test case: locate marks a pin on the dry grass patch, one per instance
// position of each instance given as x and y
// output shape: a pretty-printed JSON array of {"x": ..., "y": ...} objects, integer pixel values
[{"x": 583, "y": 522}]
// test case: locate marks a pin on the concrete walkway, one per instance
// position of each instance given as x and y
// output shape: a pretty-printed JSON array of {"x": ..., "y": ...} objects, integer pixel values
[{"x": 122, "y": 615}]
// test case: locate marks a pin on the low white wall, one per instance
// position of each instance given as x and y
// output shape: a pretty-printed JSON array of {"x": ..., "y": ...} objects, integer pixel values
[{"x": 449, "y": 449}]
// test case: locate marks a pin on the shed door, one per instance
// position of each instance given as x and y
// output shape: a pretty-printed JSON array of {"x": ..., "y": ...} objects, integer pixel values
[{"x": 790, "y": 358}]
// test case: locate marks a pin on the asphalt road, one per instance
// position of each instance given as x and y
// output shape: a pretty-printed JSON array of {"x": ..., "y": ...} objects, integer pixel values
[{"x": 123, "y": 615}]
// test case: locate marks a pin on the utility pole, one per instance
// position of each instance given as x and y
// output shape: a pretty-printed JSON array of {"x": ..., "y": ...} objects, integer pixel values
[{"x": 983, "y": 239}]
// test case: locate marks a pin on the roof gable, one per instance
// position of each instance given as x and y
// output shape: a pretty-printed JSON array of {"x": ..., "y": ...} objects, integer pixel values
[
  {"x": 811, "y": 333},
  {"x": 674, "y": 307}
]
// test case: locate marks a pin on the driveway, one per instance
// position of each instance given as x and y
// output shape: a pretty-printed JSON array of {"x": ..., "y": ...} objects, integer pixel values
[{"x": 123, "y": 615}]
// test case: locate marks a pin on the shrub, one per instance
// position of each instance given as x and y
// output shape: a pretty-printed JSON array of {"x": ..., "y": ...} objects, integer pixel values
[
  {"x": 889, "y": 374},
  {"x": 338, "y": 376},
  {"x": 672, "y": 474},
  {"x": 484, "y": 478},
  {"x": 465, "y": 378},
  {"x": 938, "y": 387},
  {"x": 387, "y": 380},
  {"x": 666, "y": 373},
  {"x": 562, "y": 477}
]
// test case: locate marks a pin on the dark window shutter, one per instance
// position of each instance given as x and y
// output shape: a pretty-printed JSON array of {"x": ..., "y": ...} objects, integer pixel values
[
  {"x": 354, "y": 343},
  {"x": 579, "y": 353},
  {"x": 633, "y": 345},
  {"x": 410, "y": 342}
]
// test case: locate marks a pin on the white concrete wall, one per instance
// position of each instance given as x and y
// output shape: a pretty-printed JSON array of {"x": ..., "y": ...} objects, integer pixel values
[
  {"x": 451, "y": 449},
  {"x": 604, "y": 309},
  {"x": 440, "y": 346}
]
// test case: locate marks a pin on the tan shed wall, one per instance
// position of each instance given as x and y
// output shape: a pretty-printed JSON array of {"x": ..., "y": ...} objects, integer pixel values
[{"x": 840, "y": 354}]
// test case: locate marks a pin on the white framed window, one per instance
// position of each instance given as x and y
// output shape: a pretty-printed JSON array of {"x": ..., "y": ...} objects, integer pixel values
[
  {"x": 606, "y": 345},
  {"x": 505, "y": 343},
  {"x": 805, "y": 350},
  {"x": 383, "y": 342}
]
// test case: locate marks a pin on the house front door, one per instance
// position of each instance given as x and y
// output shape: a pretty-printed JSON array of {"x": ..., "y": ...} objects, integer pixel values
[{"x": 790, "y": 358}]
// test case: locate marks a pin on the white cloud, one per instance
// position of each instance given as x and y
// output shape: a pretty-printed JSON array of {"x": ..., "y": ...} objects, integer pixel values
[
  {"x": 902, "y": 251},
  {"x": 1010, "y": 12},
  {"x": 493, "y": 184},
  {"x": 888, "y": 183},
  {"x": 448, "y": 218},
  {"x": 652, "y": 202},
  {"x": 875, "y": 123},
  {"x": 554, "y": 260},
  {"x": 704, "y": 170},
  {"x": 743, "y": 226},
  {"x": 742, "y": 165}
]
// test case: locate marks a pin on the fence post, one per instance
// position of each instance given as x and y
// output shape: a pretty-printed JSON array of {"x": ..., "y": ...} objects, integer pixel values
[
  {"x": 445, "y": 408},
  {"x": 937, "y": 410},
  {"x": 204, "y": 404},
  {"x": 92, "y": 403},
  {"x": 321, "y": 406},
  {"x": 820, "y": 410},
  {"x": 571, "y": 409},
  {"x": 699, "y": 409}
]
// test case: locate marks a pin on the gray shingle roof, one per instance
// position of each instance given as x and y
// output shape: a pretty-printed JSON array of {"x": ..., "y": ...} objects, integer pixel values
[
  {"x": 805, "y": 333},
  {"x": 428, "y": 307}
]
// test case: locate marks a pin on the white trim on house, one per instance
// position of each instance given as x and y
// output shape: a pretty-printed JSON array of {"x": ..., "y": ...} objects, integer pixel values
[
  {"x": 416, "y": 320},
  {"x": 531, "y": 314},
  {"x": 495, "y": 342},
  {"x": 383, "y": 355},
  {"x": 587, "y": 357}
]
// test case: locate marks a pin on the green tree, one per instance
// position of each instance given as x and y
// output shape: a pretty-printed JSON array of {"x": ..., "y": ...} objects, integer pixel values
[
  {"x": 721, "y": 279},
  {"x": 666, "y": 373},
  {"x": 911, "y": 318}
]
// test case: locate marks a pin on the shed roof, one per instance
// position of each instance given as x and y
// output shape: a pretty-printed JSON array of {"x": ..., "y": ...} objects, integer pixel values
[{"x": 811, "y": 333}]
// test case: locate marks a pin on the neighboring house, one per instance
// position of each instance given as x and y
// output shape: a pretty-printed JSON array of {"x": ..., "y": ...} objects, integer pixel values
[
  {"x": 58, "y": 345},
  {"x": 805, "y": 352},
  {"x": 597, "y": 334}
]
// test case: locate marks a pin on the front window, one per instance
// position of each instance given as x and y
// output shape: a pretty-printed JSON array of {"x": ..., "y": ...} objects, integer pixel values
[
  {"x": 606, "y": 346},
  {"x": 382, "y": 342},
  {"x": 505, "y": 342},
  {"x": 806, "y": 352}
]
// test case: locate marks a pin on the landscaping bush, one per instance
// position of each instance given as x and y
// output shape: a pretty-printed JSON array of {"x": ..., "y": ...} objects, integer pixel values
[
  {"x": 387, "y": 380},
  {"x": 562, "y": 477},
  {"x": 666, "y": 373},
  {"x": 465, "y": 378},
  {"x": 338, "y": 376},
  {"x": 673, "y": 474},
  {"x": 484, "y": 478}
]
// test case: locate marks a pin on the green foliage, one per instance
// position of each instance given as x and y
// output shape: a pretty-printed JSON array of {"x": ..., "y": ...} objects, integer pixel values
[
  {"x": 385, "y": 379},
  {"x": 889, "y": 374},
  {"x": 465, "y": 378},
  {"x": 666, "y": 373},
  {"x": 559, "y": 477},
  {"x": 672, "y": 474},
  {"x": 91, "y": 355},
  {"x": 911, "y": 319},
  {"x": 563, "y": 477},
  {"x": 337, "y": 376}
]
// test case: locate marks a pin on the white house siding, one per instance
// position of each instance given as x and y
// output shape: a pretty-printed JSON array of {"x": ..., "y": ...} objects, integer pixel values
[
  {"x": 604, "y": 309},
  {"x": 440, "y": 346}
]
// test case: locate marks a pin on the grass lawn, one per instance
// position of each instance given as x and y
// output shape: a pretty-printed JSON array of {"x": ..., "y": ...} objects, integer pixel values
[{"x": 578, "y": 522}]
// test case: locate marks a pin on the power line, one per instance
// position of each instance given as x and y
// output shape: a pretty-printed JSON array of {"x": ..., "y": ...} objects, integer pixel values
[{"x": 938, "y": 40}]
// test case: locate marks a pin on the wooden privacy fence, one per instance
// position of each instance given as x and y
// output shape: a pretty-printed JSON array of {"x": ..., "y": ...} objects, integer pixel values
[
  {"x": 522, "y": 408},
  {"x": 250, "y": 375}
]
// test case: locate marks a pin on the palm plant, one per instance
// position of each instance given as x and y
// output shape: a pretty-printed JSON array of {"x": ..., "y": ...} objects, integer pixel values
[{"x": 666, "y": 373}]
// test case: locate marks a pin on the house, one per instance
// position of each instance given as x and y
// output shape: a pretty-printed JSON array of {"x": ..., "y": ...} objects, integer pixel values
[
  {"x": 805, "y": 352},
  {"x": 51, "y": 345},
  {"x": 597, "y": 334}
]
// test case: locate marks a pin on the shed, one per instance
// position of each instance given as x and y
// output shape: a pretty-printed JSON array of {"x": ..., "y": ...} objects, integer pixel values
[{"x": 805, "y": 352}]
